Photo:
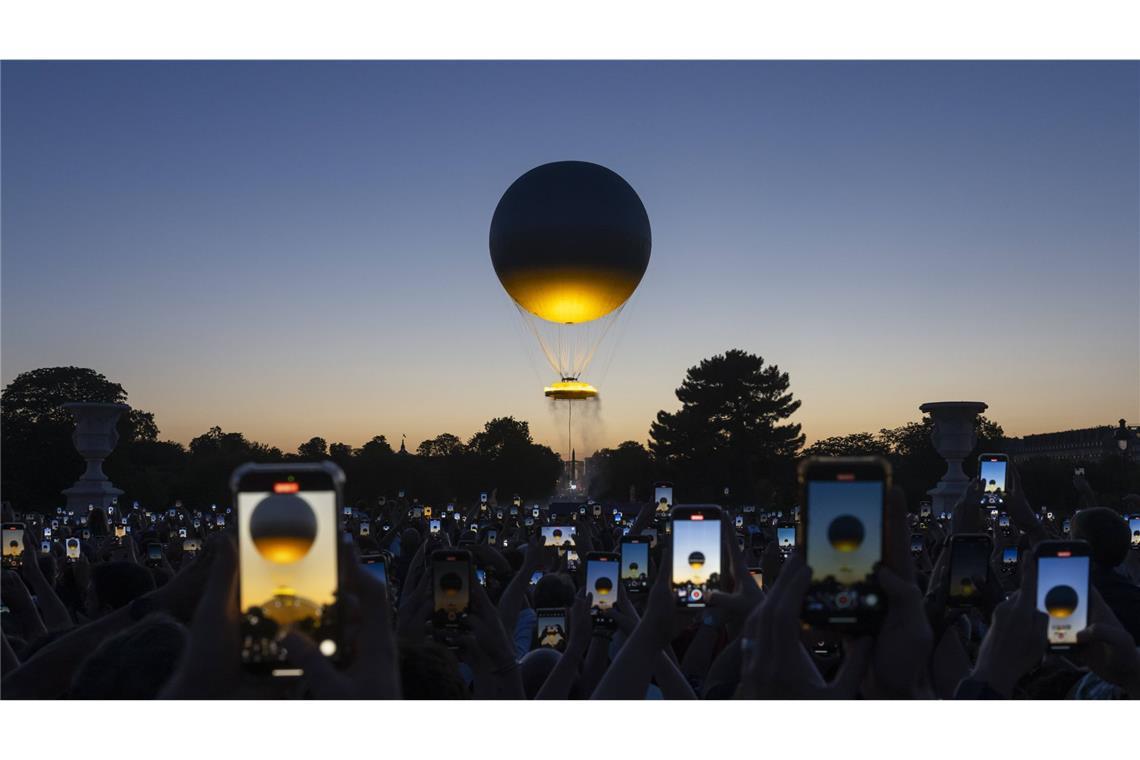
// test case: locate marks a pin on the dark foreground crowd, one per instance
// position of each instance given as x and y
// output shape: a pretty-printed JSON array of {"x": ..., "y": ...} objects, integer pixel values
[{"x": 119, "y": 618}]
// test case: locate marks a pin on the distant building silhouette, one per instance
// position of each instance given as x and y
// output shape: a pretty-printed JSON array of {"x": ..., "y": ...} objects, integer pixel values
[{"x": 1086, "y": 444}]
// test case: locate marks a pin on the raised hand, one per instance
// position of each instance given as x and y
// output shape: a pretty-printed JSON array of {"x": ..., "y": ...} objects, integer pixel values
[{"x": 775, "y": 664}]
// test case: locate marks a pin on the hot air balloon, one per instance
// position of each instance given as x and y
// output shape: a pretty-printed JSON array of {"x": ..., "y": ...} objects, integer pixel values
[
  {"x": 570, "y": 242},
  {"x": 603, "y": 586},
  {"x": 845, "y": 533},
  {"x": 450, "y": 584},
  {"x": 696, "y": 560},
  {"x": 283, "y": 528},
  {"x": 1061, "y": 601}
]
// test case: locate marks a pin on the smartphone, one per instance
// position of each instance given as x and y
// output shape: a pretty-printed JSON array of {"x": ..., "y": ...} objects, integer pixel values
[
  {"x": 365, "y": 528},
  {"x": 534, "y": 513},
  {"x": 417, "y": 512},
  {"x": 696, "y": 553},
  {"x": 120, "y": 531},
  {"x": 786, "y": 538},
  {"x": 557, "y": 535},
  {"x": 191, "y": 546},
  {"x": 153, "y": 555},
  {"x": 535, "y": 577},
  {"x": 917, "y": 544},
  {"x": 651, "y": 534},
  {"x": 571, "y": 560},
  {"x": 993, "y": 469},
  {"x": 433, "y": 525},
  {"x": 376, "y": 565},
  {"x": 182, "y": 533},
  {"x": 663, "y": 495},
  {"x": 1009, "y": 560},
  {"x": 427, "y": 511},
  {"x": 73, "y": 549},
  {"x": 481, "y": 576},
  {"x": 738, "y": 521},
  {"x": 1063, "y": 589},
  {"x": 47, "y": 532},
  {"x": 757, "y": 575},
  {"x": 602, "y": 571},
  {"x": 551, "y": 627},
  {"x": 969, "y": 566},
  {"x": 597, "y": 510},
  {"x": 843, "y": 505},
  {"x": 13, "y": 533},
  {"x": 635, "y": 564},
  {"x": 451, "y": 584},
  {"x": 45, "y": 547},
  {"x": 1065, "y": 526},
  {"x": 348, "y": 511},
  {"x": 1134, "y": 526},
  {"x": 288, "y": 527},
  {"x": 492, "y": 536},
  {"x": 617, "y": 518}
]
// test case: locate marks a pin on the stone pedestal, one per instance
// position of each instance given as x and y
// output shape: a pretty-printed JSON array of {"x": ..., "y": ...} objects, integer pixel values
[
  {"x": 95, "y": 437},
  {"x": 954, "y": 438}
]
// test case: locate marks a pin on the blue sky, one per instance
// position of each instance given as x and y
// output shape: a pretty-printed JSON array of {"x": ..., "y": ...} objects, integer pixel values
[{"x": 298, "y": 249}]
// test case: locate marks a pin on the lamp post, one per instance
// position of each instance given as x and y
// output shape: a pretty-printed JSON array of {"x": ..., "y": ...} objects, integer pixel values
[{"x": 1122, "y": 436}]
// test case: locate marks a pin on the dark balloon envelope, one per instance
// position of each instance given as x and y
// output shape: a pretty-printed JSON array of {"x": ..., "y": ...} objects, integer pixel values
[
  {"x": 570, "y": 241},
  {"x": 696, "y": 560},
  {"x": 283, "y": 528},
  {"x": 603, "y": 585},
  {"x": 845, "y": 533},
  {"x": 1061, "y": 601},
  {"x": 451, "y": 583}
]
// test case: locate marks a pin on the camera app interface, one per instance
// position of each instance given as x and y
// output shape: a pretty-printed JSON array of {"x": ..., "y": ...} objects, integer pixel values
[
  {"x": 1061, "y": 582},
  {"x": 993, "y": 475},
  {"x": 635, "y": 566},
  {"x": 844, "y": 542},
  {"x": 452, "y": 590},
  {"x": 558, "y": 535},
  {"x": 288, "y": 558},
  {"x": 786, "y": 539},
  {"x": 696, "y": 559},
  {"x": 601, "y": 583},
  {"x": 552, "y": 628}
]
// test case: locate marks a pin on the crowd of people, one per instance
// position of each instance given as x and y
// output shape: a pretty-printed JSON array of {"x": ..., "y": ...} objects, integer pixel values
[{"x": 125, "y": 602}]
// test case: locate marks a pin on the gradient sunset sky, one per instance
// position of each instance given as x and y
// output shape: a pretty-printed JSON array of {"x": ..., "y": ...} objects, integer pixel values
[{"x": 300, "y": 249}]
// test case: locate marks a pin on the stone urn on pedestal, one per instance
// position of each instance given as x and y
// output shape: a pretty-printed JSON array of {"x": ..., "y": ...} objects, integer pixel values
[
  {"x": 95, "y": 437},
  {"x": 954, "y": 437}
]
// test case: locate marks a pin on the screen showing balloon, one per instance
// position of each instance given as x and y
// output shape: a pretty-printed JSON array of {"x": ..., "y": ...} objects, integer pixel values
[
  {"x": 635, "y": 565},
  {"x": 551, "y": 627},
  {"x": 969, "y": 566},
  {"x": 844, "y": 543},
  {"x": 451, "y": 581},
  {"x": 288, "y": 567},
  {"x": 602, "y": 583},
  {"x": 1062, "y": 594},
  {"x": 992, "y": 473},
  {"x": 696, "y": 560},
  {"x": 1134, "y": 526}
]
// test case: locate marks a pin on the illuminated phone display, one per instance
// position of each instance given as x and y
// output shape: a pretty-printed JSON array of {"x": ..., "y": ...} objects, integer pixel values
[
  {"x": 696, "y": 554},
  {"x": 451, "y": 584},
  {"x": 635, "y": 565},
  {"x": 288, "y": 521},
  {"x": 602, "y": 580},
  {"x": 786, "y": 538},
  {"x": 551, "y": 627},
  {"x": 992, "y": 471},
  {"x": 969, "y": 566},
  {"x": 1062, "y": 594},
  {"x": 557, "y": 535}
]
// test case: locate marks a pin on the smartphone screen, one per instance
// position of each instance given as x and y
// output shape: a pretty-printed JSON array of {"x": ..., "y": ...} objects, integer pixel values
[
  {"x": 375, "y": 566},
  {"x": 557, "y": 535},
  {"x": 696, "y": 554},
  {"x": 635, "y": 564},
  {"x": 288, "y": 520},
  {"x": 786, "y": 538},
  {"x": 433, "y": 525},
  {"x": 481, "y": 576},
  {"x": 73, "y": 548},
  {"x": 992, "y": 471},
  {"x": 757, "y": 575},
  {"x": 843, "y": 502},
  {"x": 451, "y": 584},
  {"x": 154, "y": 552},
  {"x": 551, "y": 627},
  {"x": 13, "y": 544},
  {"x": 1134, "y": 526},
  {"x": 663, "y": 493},
  {"x": 1009, "y": 559},
  {"x": 969, "y": 566},
  {"x": 602, "y": 580},
  {"x": 535, "y": 577},
  {"x": 1062, "y": 593},
  {"x": 917, "y": 543}
]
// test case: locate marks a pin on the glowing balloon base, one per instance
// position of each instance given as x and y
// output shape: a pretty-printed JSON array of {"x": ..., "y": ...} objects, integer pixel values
[{"x": 570, "y": 390}]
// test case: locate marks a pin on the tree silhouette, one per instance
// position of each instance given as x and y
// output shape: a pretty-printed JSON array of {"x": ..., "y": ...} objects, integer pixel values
[
  {"x": 315, "y": 448},
  {"x": 617, "y": 473},
  {"x": 729, "y": 431}
]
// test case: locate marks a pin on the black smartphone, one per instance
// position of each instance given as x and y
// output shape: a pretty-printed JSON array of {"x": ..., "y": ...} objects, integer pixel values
[
  {"x": 969, "y": 567},
  {"x": 153, "y": 555},
  {"x": 1063, "y": 590},
  {"x": 635, "y": 563},
  {"x": 843, "y": 504},
  {"x": 551, "y": 627},
  {"x": 993, "y": 469},
  {"x": 1134, "y": 527},
  {"x": 451, "y": 587},
  {"x": 696, "y": 553},
  {"x": 13, "y": 555},
  {"x": 73, "y": 549},
  {"x": 560, "y": 536},
  {"x": 917, "y": 544},
  {"x": 602, "y": 569},
  {"x": 288, "y": 520},
  {"x": 376, "y": 565}
]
